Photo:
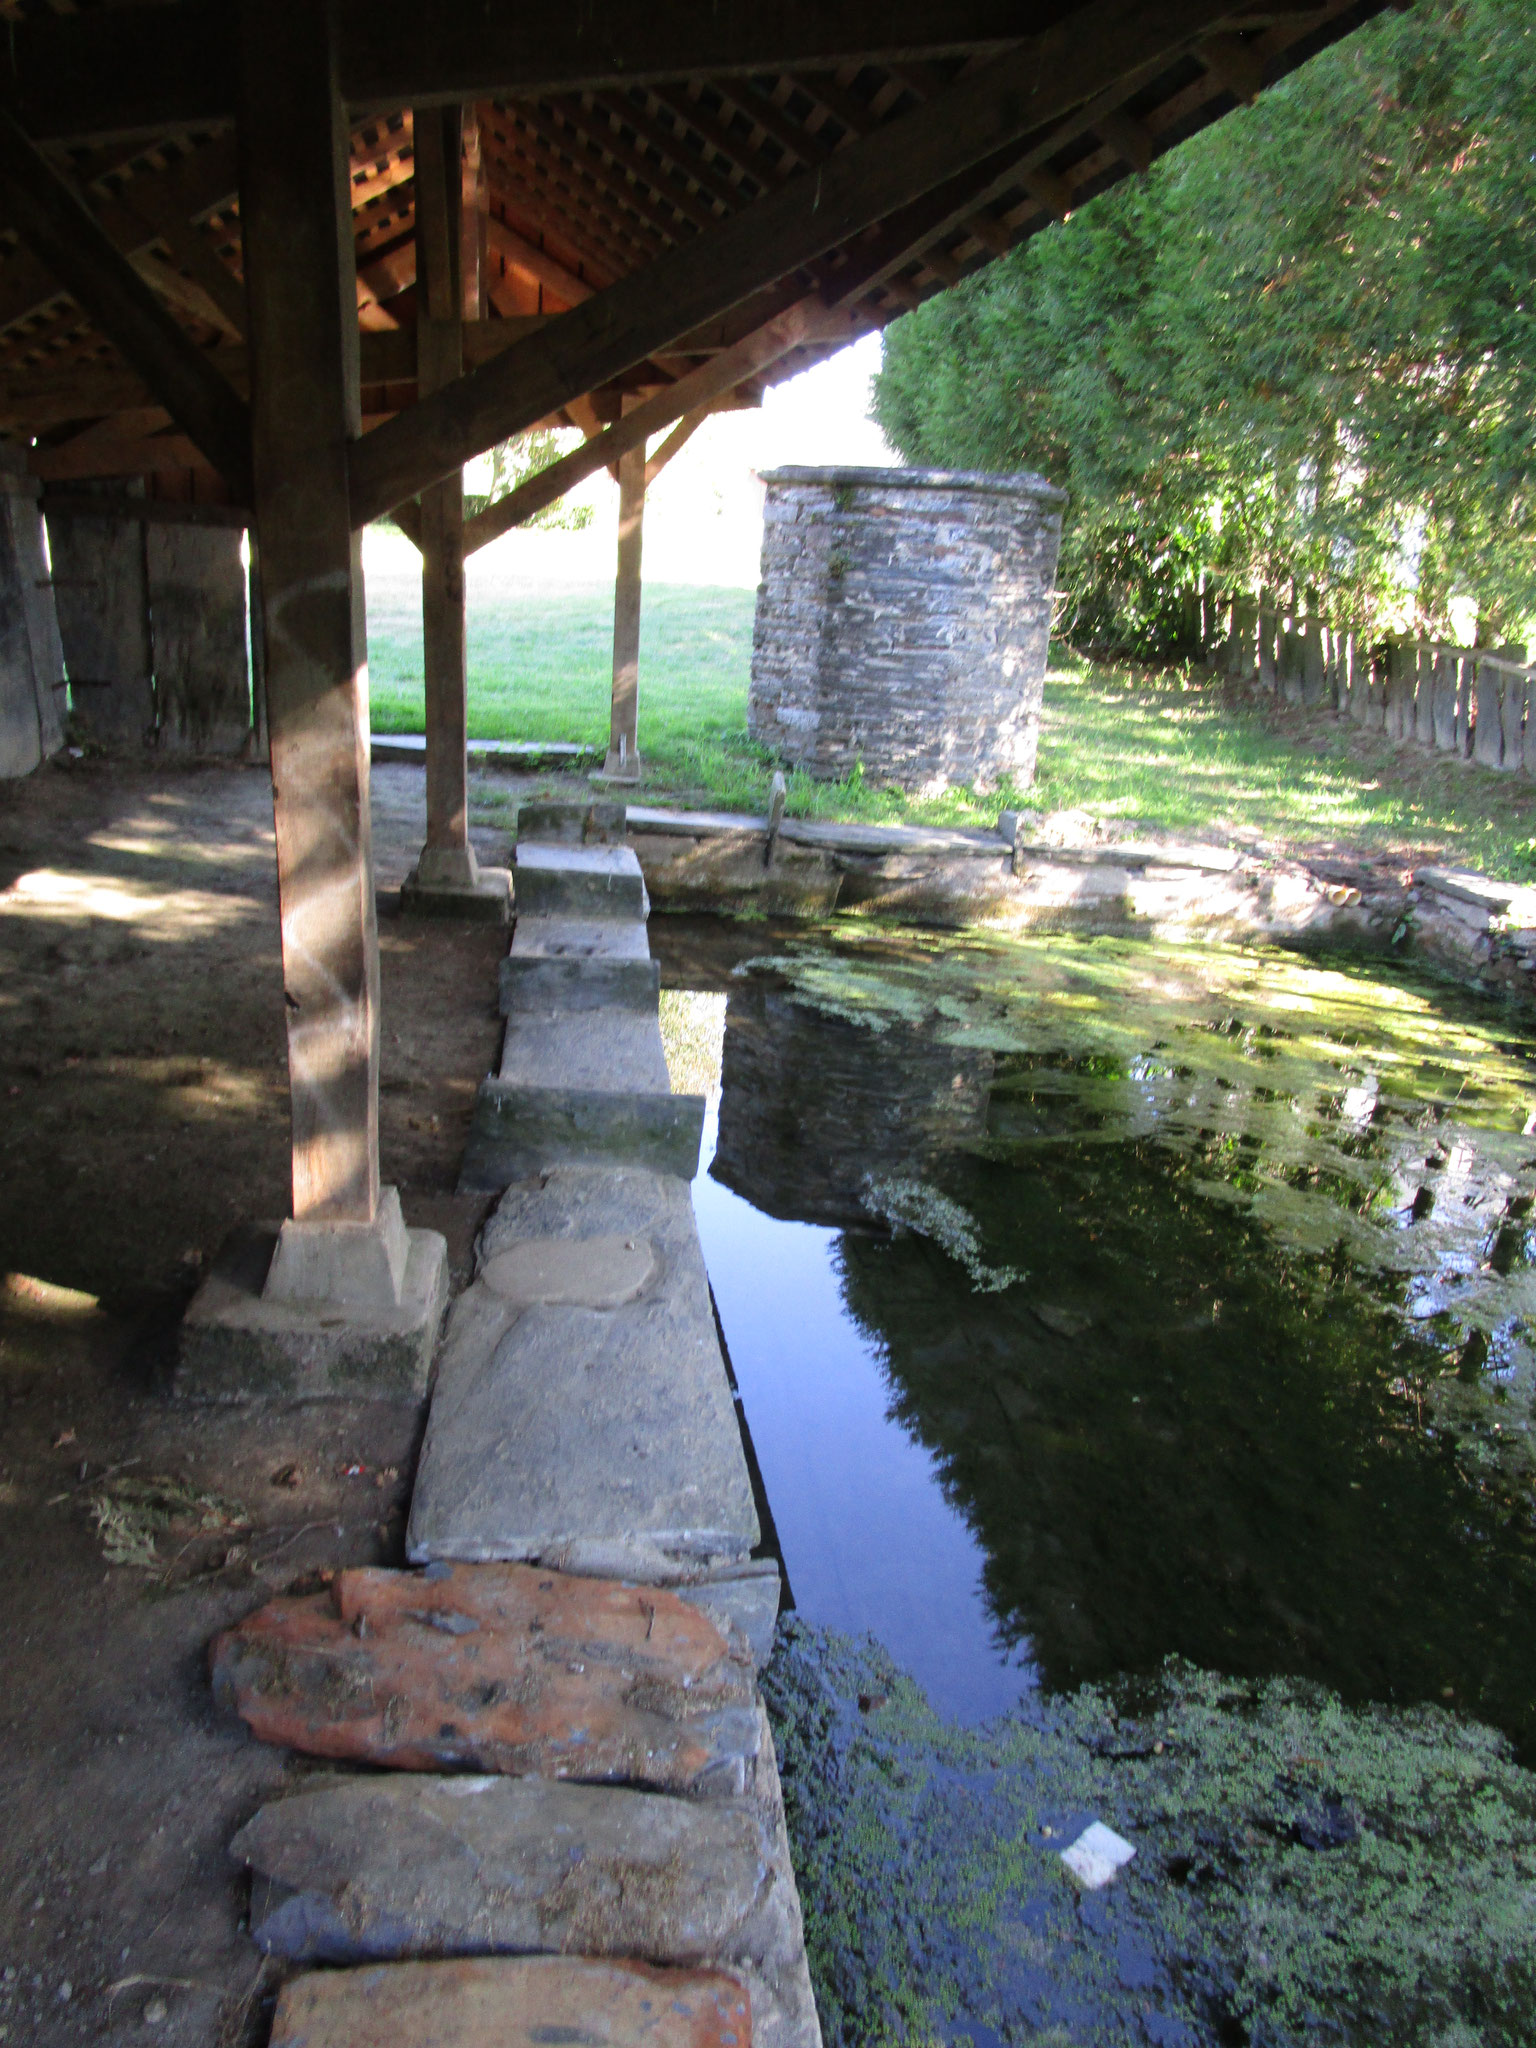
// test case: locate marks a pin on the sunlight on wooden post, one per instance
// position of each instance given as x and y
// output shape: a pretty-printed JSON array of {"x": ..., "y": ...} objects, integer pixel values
[
  {"x": 299, "y": 281},
  {"x": 623, "y": 762}
]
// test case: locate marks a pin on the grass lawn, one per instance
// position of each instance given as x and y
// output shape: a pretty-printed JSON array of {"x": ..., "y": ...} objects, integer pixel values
[{"x": 1183, "y": 752}]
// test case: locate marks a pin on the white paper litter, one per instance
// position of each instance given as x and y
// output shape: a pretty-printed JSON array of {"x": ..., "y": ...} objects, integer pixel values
[{"x": 1096, "y": 1855}]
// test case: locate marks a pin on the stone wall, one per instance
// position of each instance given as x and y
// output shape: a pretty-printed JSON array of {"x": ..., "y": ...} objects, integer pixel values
[{"x": 903, "y": 621}]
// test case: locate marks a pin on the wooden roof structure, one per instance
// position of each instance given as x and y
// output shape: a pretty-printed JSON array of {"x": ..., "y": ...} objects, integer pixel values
[
  {"x": 647, "y": 157},
  {"x": 293, "y": 263}
]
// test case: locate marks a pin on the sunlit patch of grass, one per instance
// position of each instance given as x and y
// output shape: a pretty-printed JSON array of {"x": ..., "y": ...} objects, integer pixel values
[{"x": 1174, "y": 750}]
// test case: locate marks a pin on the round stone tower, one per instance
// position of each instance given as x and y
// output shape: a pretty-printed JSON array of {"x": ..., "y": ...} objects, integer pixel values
[{"x": 903, "y": 620}]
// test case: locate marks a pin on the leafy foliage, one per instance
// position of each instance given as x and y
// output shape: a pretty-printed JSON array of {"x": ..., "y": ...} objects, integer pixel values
[
  {"x": 1301, "y": 350},
  {"x": 513, "y": 462}
]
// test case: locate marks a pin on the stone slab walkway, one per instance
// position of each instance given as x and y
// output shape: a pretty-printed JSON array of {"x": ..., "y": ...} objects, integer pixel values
[
  {"x": 563, "y": 1417},
  {"x": 587, "y": 1616}
]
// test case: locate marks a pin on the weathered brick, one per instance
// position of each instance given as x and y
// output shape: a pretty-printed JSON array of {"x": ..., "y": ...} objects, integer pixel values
[
  {"x": 496, "y": 2002},
  {"x": 498, "y": 1667}
]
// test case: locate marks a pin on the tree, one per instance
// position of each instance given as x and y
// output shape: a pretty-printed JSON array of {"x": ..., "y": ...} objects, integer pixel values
[{"x": 1301, "y": 351}]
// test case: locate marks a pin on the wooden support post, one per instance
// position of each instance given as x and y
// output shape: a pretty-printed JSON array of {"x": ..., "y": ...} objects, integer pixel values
[
  {"x": 299, "y": 279},
  {"x": 623, "y": 762},
  {"x": 439, "y": 359}
]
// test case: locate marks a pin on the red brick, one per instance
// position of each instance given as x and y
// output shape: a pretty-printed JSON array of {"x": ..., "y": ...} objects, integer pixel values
[
  {"x": 497, "y": 1667},
  {"x": 513, "y": 2002}
]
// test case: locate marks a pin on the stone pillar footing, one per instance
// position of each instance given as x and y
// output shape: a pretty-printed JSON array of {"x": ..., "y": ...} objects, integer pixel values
[
  {"x": 448, "y": 881},
  {"x": 317, "y": 1311}
]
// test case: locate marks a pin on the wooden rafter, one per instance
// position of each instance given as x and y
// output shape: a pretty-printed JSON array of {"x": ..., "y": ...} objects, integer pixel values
[{"x": 65, "y": 235}]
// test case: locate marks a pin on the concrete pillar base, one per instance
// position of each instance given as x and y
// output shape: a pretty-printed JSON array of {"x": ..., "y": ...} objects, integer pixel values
[
  {"x": 317, "y": 1311},
  {"x": 624, "y": 770},
  {"x": 448, "y": 881}
]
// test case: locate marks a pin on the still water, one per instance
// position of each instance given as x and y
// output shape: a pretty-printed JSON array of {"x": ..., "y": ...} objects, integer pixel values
[{"x": 1094, "y": 1301}]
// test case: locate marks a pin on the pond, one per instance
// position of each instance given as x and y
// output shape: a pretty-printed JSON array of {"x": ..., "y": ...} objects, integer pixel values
[{"x": 1094, "y": 1302}]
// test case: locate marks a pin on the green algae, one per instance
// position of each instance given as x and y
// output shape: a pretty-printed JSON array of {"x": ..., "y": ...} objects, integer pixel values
[{"x": 1304, "y": 1872}]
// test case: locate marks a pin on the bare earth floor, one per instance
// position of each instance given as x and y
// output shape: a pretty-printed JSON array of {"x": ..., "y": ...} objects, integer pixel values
[{"x": 143, "y": 1111}]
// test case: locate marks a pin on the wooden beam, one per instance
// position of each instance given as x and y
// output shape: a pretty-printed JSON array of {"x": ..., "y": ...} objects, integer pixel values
[
  {"x": 440, "y": 358},
  {"x": 62, "y": 231},
  {"x": 789, "y": 330},
  {"x": 995, "y": 105},
  {"x": 1131, "y": 140},
  {"x": 303, "y": 338},
  {"x": 1235, "y": 64},
  {"x": 623, "y": 758},
  {"x": 144, "y": 511},
  {"x": 128, "y": 70},
  {"x": 520, "y": 254}
]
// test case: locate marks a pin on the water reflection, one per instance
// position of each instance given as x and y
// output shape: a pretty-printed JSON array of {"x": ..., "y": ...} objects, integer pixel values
[
  {"x": 1263, "y": 1397},
  {"x": 870, "y": 1540}
]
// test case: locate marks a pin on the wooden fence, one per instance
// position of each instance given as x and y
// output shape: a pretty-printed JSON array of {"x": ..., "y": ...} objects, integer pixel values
[{"x": 1474, "y": 702}]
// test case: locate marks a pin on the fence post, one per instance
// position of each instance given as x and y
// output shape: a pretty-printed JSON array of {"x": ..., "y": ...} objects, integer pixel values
[
  {"x": 1312, "y": 660},
  {"x": 1266, "y": 640},
  {"x": 1488, "y": 733},
  {"x": 1443, "y": 702},
  {"x": 1424, "y": 697}
]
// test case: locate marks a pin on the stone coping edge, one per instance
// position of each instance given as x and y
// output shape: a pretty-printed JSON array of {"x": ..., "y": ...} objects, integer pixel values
[{"x": 1020, "y": 484}]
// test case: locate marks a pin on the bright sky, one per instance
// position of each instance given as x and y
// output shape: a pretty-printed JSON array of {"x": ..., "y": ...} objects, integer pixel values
[{"x": 704, "y": 513}]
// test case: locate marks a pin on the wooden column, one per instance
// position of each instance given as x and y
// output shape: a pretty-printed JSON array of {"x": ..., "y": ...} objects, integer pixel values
[
  {"x": 440, "y": 278},
  {"x": 623, "y": 726},
  {"x": 301, "y": 293}
]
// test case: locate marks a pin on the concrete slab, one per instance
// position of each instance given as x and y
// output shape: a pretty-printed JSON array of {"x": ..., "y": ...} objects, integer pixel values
[
  {"x": 237, "y": 1344},
  {"x": 524, "y": 2002},
  {"x": 498, "y": 1667},
  {"x": 517, "y": 1131},
  {"x": 559, "y": 1425},
  {"x": 619, "y": 1051},
  {"x": 579, "y": 881}
]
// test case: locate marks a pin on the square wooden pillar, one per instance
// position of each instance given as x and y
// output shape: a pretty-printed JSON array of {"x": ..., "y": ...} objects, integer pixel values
[
  {"x": 349, "y": 1298},
  {"x": 623, "y": 762},
  {"x": 302, "y": 331},
  {"x": 447, "y": 878}
]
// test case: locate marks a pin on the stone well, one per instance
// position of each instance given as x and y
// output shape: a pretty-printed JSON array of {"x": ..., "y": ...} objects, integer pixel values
[{"x": 902, "y": 622}]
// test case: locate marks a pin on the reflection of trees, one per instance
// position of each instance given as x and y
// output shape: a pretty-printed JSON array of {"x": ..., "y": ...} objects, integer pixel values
[
  {"x": 811, "y": 1105},
  {"x": 1197, "y": 1448}
]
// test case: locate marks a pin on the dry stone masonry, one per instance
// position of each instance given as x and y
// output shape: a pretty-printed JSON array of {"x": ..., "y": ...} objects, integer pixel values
[{"x": 903, "y": 621}]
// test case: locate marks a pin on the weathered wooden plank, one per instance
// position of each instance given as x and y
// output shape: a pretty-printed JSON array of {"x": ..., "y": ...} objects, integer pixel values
[
  {"x": 103, "y": 614},
  {"x": 986, "y": 110},
  {"x": 196, "y": 587},
  {"x": 305, "y": 390},
  {"x": 64, "y": 233}
]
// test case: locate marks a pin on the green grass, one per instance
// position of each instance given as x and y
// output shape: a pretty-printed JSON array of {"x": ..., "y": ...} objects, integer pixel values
[{"x": 1182, "y": 752}]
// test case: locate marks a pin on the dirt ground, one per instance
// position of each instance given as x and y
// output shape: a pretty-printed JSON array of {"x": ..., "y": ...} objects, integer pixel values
[{"x": 143, "y": 1111}]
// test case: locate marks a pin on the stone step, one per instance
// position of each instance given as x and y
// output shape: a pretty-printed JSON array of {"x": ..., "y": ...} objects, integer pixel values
[
  {"x": 578, "y": 881},
  {"x": 617, "y": 1051},
  {"x": 501, "y": 1668},
  {"x": 517, "y": 1131},
  {"x": 503, "y": 2002},
  {"x": 566, "y": 964},
  {"x": 600, "y": 822},
  {"x": 391, "y": 1869},
  {"x": 592, "y": 1412}
]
